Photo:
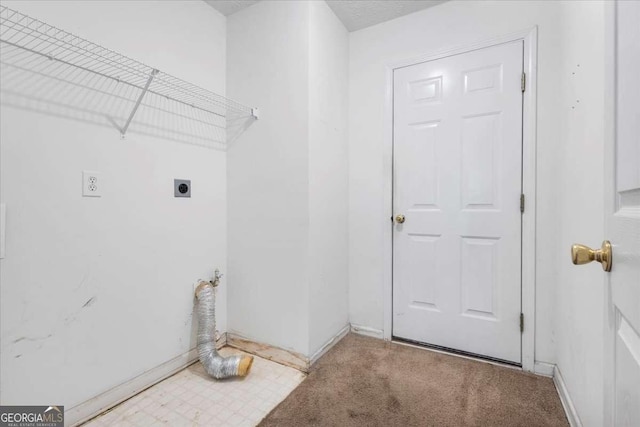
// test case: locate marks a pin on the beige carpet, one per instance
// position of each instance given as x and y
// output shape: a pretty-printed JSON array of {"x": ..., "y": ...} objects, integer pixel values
[{"x": 368, "y": 382}]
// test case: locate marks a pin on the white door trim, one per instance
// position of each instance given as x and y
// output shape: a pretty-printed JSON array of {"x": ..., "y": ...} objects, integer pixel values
[
  {"x": 609, "y": 170},
  {"x": 529, "y": 37}
]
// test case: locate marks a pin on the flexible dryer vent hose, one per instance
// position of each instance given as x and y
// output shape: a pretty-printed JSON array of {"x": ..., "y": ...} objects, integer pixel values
[{"x": 217, "y": 366}]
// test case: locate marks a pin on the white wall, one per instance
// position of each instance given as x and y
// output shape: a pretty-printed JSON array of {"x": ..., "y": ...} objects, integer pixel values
[
  {"x": 95, "y": 291},
  {"x": 580, "y": 289},
  {"x": 569, "y": 165},
  {"x": 267, "y": 176},
  {"x": 328, "y": 175},
  {"x": 287, "y": 175},
  {"x": 137, "y": 250},
  {"x": 371, "y": 50}
]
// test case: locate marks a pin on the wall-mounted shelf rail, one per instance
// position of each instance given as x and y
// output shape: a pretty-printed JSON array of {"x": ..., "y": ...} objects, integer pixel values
[{"x": 47, "y": 69}]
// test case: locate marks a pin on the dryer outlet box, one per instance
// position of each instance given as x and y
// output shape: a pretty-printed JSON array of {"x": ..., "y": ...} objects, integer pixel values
[{"x": 182, "y": 187}]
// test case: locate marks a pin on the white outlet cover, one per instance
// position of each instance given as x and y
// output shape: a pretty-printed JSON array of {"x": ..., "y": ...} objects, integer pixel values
[{"x": 91, "y": 184}]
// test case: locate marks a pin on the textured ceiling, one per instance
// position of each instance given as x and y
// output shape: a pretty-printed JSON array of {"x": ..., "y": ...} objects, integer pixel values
[
  {"x": 354, "y": 14},
  {"x": 228, "y": 7}
]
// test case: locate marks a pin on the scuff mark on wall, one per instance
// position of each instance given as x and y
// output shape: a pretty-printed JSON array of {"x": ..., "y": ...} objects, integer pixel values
[
  {"x": 31, "y": 339},
  {"x": 72, "y": 317},
  {"x": 39, "y": 341}
]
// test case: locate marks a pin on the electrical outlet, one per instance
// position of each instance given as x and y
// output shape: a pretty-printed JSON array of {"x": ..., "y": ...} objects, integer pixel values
[{"x": 91, "y": 184}]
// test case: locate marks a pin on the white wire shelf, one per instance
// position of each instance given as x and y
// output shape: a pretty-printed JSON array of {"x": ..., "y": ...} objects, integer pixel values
[{"x": 46, "y": 69}]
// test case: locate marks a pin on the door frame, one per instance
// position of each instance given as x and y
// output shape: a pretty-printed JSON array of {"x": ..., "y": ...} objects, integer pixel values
[
  {"x": 529, "y": 122},
  {"x": 610, "y": 91}
]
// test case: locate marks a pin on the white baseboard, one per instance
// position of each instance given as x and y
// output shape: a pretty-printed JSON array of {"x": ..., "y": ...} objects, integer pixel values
[
  {"x": 329, "y": 344},
  {"x": 543, "y": 368},
  {"x": 365, "y": 330},
  {"x": 565, "y": 398},
  {"x": 270, "y": 352},
  {"x": 283, "y": 356},
  {"x": 122, "y": 392},
  {"x": 118, "y": 394}
]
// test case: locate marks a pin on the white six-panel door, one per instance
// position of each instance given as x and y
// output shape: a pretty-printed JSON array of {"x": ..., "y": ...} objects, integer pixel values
[
  {"x": 457, "y": 180},
  {"x": 622, "y": 352}
]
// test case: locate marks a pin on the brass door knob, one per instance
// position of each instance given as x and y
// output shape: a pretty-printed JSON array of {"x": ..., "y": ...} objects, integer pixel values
[
  {"x": 581, "y": 254},
  {"x": 399, "y": 218}
]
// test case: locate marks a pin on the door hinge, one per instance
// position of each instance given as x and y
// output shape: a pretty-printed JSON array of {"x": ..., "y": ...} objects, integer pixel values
[
  {"x": 521, "y": 322},
  {"x": 523, "y": 82},
  {"x": 521, "y": 203}
]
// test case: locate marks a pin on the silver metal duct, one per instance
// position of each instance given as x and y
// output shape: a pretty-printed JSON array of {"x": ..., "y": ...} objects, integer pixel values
[{"x": 217, "y": 366}]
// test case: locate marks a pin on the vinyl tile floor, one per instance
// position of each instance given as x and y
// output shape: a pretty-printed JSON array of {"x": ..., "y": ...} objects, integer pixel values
[{"x": 192, "y": 398}]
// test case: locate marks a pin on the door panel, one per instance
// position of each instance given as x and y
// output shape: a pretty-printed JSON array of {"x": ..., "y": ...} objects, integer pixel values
[
  {"x": 623, "y": 225},
  {"x": 479, "y": 265},
  {"x": 480, "y": 161},
  {"x": 457, "y": 180}
]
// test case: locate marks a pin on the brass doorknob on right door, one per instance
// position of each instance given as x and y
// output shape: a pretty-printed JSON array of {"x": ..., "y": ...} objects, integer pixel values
[
  {"x": 581, "y": 254},
  {"x": 399, "y": 218}
]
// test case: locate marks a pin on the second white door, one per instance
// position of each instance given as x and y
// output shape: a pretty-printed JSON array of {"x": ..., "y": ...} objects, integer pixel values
[{"x": 457, "y": 182}]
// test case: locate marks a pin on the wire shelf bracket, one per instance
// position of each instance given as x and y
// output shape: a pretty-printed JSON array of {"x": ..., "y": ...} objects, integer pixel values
[
  {"x": 123, "y": 131},
  {"x": 50, "y": 70}
]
